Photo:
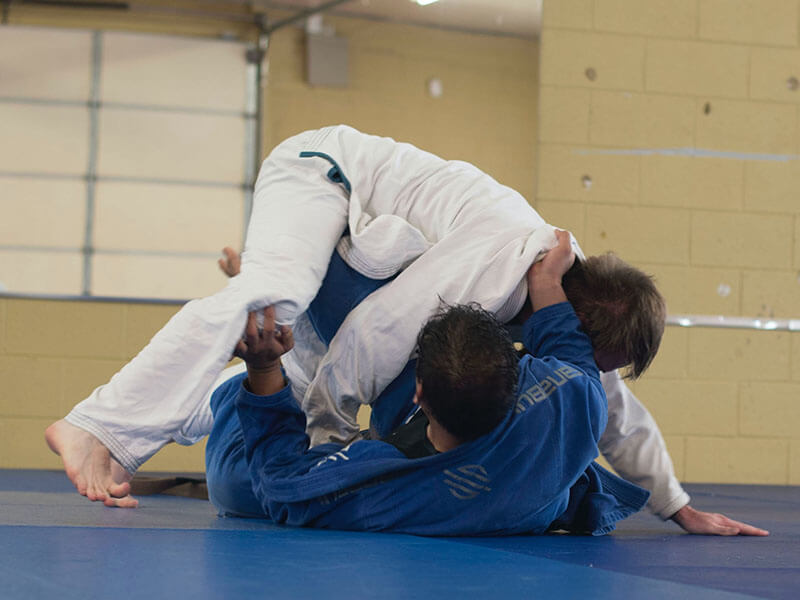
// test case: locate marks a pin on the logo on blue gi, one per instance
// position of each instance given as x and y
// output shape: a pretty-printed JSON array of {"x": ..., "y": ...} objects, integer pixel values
[
  {"x": 545, "y": 388},
  {"x": 467, "y": 481}
]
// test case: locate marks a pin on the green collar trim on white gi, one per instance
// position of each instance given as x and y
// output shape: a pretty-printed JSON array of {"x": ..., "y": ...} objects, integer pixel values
[{"x": 335, "y": 174}]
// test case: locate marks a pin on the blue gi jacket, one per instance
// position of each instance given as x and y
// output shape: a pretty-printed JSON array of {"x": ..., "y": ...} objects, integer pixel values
[{"x": 531, "y": 473}]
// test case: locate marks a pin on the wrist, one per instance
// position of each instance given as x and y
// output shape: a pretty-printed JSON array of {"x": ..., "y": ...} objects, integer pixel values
[
  {"x": 265, "y": 380},
  {"x": 267, "y": 367},
  {"x": 682, "y": 514},
  {"x": 544, "y": 278}
]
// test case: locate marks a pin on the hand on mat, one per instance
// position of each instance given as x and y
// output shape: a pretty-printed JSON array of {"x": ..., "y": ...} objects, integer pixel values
[
  {"x": 261, "y": 347},
  {"x": 231, "y": 263},
  {"x": 704, "y": 523}
]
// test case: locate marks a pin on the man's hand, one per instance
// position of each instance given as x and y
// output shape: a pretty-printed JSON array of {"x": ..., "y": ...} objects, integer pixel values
[
  {"x": 261, "y": 348},
  {"x": 231, "y": 263},
  {"x": 703, "y": 523},
  {"x": 544, "y": 277}
]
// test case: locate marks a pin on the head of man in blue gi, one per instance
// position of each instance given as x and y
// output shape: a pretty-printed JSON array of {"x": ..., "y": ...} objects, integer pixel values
[{"x": 467, "y": 370}]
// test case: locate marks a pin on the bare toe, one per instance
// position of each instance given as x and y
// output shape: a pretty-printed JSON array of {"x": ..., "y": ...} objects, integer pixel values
[
  {"x": 125, "y": 502},
  {"x": 119, "y": 490}
]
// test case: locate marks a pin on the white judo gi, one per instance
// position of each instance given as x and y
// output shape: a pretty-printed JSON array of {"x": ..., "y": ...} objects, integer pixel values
[{"x": 449, "y": 230}]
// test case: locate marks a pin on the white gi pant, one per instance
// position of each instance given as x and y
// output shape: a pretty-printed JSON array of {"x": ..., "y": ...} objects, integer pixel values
[{"x": 456, "y": 235}]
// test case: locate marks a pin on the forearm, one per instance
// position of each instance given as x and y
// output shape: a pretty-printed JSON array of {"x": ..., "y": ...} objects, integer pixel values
[
  {"x": 544, "y": 276},
  {"x": 546, "y": 291},
  {"x": 273, "y": 428},
  {"x": 266, "y": 380}
]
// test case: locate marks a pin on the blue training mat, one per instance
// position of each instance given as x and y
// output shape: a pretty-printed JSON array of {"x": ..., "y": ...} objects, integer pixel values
[{"x": 55, "y": 544}]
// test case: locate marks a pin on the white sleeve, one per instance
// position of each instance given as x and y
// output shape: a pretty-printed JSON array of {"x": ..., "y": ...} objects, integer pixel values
[{"x": 635, "y": 448}]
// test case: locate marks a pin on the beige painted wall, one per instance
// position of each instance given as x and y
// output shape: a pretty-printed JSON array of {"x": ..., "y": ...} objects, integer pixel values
[
  {"x": 53, "y": 353},
  {"x": 486, "y": 115},
  {"x": 624, "y": 80}
]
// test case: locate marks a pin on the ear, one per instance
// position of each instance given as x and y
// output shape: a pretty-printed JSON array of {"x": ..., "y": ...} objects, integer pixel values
[{"x": 418, "y": 393}]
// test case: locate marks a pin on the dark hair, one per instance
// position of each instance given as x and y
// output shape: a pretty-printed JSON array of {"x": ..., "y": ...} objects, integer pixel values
[
  {"x": 620, "y": 308},
  {"x": 468, "y": 368}
]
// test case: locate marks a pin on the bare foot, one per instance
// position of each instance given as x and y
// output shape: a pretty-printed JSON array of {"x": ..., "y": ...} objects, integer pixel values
[{"x": 89, "y": 465}]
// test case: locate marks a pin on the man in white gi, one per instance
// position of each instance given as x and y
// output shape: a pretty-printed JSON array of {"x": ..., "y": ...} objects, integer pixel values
[{"x": 446, "y": 231}]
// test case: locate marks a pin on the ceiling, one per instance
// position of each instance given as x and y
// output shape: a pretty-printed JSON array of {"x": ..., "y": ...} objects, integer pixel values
[{"x": 501, "y": 17}]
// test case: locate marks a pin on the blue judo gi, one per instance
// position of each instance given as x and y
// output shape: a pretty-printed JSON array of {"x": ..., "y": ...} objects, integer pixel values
[{"x": 532, "y": 473}]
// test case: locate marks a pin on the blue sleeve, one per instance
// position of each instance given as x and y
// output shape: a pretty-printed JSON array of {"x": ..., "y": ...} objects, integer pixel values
[
  {"x": 555, "y": 331},
  {"x": 294, "y": 483},
  {"x": 563, "y": 371},
  {"x": 274, "y": 431}
]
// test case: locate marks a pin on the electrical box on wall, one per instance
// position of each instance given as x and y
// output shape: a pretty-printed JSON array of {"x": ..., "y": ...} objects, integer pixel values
[{"x": 326, "y": 60}]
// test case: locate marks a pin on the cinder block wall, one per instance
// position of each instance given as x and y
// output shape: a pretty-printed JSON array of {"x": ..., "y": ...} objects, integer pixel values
[
  {"x": 53, "y": 353},
  {"x": 629, "y": 88}
]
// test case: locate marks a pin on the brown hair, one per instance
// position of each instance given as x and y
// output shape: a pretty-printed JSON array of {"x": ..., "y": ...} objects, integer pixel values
[{"x": 620, "y": 308}]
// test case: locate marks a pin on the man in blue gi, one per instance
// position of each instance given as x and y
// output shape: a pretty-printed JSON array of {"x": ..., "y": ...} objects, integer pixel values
[{"x": 497, "y": 447}]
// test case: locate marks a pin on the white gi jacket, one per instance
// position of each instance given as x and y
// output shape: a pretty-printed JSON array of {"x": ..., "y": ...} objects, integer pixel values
[{"x": 451, "y": 231}]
